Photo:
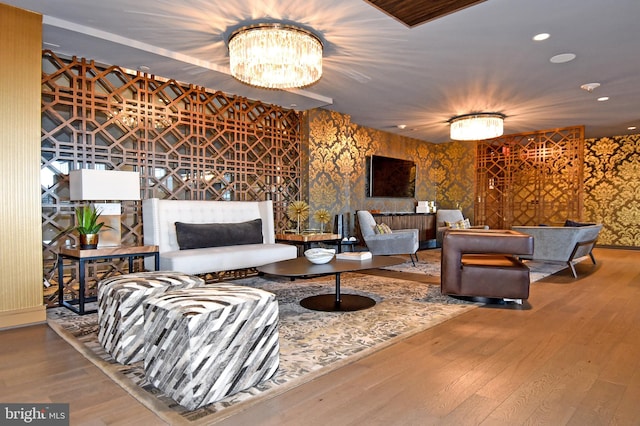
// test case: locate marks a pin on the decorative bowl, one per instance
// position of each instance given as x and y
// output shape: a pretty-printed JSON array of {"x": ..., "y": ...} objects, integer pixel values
[{"x": 319, "y": 255}]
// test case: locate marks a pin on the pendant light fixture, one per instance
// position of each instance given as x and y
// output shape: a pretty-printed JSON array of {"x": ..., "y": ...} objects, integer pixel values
[
  {"x": 275, "y": 56},
  {"x": 477, "y": 126}
]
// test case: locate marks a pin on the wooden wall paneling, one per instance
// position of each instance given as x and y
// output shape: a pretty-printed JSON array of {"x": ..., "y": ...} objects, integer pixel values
[
  {"x": 21, "y": 300},
  {"x": 531, "y": 178},
  {"x": 412, "y": 12},
  {"x": 492, "y": 175},
  {"x": 187, "y": 142}
]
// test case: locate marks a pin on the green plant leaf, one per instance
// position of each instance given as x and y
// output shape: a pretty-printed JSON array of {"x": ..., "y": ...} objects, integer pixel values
[{"x": 87, "y": 217}]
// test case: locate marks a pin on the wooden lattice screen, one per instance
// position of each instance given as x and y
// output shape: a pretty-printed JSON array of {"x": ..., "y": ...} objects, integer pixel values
[
  {"x": 530, "y": 178},
  {"x": 186, "y": 142}
]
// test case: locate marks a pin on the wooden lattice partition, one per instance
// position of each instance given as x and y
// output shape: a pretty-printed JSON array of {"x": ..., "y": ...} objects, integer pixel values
[
  {"x": 187, "y": 143},
  {"x": 530, "y": 178}
]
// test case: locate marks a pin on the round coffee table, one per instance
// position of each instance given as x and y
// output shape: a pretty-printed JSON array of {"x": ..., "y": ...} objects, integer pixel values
[{"x": 334, "y": 302}]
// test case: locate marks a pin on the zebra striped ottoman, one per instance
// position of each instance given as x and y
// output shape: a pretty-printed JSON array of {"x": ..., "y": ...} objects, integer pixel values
[
  {"x": 120, "y": 313},
  {"x": 203, "y": 344}
]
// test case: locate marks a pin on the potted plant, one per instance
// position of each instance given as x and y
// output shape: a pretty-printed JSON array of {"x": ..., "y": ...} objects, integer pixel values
[{"x": 88, "y": 226}]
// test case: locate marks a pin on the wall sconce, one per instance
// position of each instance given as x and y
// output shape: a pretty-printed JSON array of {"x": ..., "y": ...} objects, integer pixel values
[{"x": 105, "y": 185}]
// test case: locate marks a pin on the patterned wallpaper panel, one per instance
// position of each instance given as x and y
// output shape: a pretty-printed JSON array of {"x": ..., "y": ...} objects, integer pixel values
[
  {"x": 337, "y": 152},
  {"x": 446, "y": 173},
  {"x": 612, "y": 188},
  {"x": 453, "y": 175}
]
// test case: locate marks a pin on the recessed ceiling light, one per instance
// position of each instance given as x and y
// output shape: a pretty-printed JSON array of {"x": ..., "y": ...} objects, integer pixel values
[
  {"x": 562, "y": 58},
  {"x": 401, "y": 126},
  {"x": 631, "y": 128},
  {"x": 144, "y": 68},
  {"x": 602, "y": 99},
  {"x": 541, "y": 36}
]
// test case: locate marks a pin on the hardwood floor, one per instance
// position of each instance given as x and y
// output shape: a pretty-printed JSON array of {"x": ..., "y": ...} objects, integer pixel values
[{"x": 569, "y": 357}]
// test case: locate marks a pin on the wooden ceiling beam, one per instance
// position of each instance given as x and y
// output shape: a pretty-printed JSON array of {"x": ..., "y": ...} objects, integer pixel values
[{"x": 416, "y": 12}]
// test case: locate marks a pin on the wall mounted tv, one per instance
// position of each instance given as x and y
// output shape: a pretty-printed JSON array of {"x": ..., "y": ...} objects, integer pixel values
[{"x": 390, "y": 177}]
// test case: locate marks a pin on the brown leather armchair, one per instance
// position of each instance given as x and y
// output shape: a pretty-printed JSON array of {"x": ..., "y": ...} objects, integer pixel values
[{"x": 485, "y": 264}]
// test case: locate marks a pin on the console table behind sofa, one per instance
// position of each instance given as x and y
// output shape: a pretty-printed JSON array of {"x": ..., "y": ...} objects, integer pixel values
[{"x": 159, "y": 218}]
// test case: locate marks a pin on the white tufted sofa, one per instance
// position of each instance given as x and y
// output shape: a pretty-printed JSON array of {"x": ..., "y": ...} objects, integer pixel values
[{"x": 159, "y": 218}]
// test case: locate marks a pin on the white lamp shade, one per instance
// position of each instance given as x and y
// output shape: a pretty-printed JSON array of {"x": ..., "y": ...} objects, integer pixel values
[{"x": 104, "y": 185}]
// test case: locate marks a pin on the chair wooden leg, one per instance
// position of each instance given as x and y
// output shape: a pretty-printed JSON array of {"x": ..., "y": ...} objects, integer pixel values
[
  {"x": 573, "y": 269},
  {"x": 593, "y": 259}
]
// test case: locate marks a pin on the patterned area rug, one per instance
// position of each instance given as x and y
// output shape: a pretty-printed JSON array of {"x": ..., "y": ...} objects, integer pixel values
[
  {"x": 429, "y": 264},
  {"x": 311, "y": 343}
]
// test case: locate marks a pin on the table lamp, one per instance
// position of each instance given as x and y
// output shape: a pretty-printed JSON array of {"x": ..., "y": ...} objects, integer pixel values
[{"x": 105, "y": 185}]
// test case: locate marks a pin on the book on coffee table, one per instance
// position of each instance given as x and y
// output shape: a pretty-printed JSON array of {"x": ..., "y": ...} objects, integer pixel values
[{"x": 356, "y": 255}]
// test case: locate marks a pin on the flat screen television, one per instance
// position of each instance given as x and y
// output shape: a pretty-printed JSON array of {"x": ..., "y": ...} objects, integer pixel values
[{"x": 390, "y": 177}]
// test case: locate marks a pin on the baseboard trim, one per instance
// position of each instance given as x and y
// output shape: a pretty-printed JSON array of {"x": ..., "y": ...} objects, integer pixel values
[{"x": 23, "y": 317}]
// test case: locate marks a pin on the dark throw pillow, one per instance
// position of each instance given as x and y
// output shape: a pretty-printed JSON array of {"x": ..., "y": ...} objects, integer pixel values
[
  {"x": 575, "y": 224},
  {"x": 202, "y": 235}
]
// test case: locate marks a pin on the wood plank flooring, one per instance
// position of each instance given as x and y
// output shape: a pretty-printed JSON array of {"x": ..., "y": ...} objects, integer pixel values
[{"x": 571, "y": 356}]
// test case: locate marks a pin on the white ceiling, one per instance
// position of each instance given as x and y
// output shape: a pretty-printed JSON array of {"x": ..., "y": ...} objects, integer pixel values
[{"x": 378, "y": 70}]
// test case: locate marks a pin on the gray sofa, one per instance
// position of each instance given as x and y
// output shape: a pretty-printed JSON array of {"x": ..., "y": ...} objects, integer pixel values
[{"x": 566, "y": 244}]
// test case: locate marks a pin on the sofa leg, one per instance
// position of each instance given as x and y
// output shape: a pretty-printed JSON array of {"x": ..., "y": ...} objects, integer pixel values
[
  {"x": 411, "y": 257},
  {"x": 593, "y": 259},
  {"x": 573, "y": 269}
]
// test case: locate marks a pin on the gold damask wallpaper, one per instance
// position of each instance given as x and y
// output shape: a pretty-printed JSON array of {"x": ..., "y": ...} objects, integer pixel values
[
  {"x": 336, "y": 150},
  {"x": 452, "y": 173},
  {"x": 334, "y": 171},
  {"x": 612, "y": 188}
]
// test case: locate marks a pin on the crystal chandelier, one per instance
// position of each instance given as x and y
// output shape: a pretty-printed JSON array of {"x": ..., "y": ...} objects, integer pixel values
[
  {"x": 477, "y": 126},
  {"x": 275, "y": 56}
]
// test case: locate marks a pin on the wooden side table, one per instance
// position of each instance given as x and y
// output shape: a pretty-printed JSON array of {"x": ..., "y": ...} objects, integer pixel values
[
  {"x": 305, "y": 240},
  {"x": 83, "y": 256}
]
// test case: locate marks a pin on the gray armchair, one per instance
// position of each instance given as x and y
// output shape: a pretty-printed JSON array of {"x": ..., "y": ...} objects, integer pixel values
[
  {"x": 450, "y": 216},
  {"x": 400, "y": 241}
]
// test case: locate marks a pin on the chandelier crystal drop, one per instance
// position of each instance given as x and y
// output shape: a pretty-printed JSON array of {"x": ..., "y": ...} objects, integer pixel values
[
  {"x": 477, "y": 126},
  {"x": 275, "y": 56}
]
